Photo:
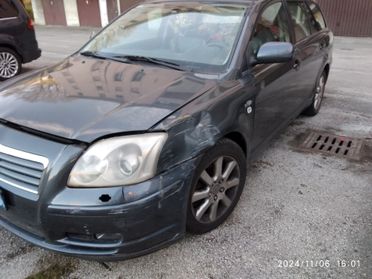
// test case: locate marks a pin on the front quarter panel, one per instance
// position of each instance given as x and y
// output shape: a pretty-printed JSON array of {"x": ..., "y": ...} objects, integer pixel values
[{"x": 198, "y": 126}]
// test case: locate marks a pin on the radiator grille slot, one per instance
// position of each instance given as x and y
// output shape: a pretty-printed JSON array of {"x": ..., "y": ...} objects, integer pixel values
[{"x": 20, "y": 169}]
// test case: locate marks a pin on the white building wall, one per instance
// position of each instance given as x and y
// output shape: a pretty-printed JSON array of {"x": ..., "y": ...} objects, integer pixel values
[
  {"x": 103, "y": 12},
  {"x": 71, "y": 11},
  {"x": 119, "y": 7},
  {"x": 38, "y": 10}
]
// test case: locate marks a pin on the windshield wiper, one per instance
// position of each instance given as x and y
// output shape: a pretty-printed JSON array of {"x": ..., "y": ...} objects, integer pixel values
[
  {"x": 155, "y": 61},
  {"x": 94, "y": 54},
  {"x": 132, "y": 58}
]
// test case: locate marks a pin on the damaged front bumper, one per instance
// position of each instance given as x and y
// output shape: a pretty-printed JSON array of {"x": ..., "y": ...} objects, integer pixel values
[
  {"x": 100, "y": 224},
  {"x": 111, "y": 232}
]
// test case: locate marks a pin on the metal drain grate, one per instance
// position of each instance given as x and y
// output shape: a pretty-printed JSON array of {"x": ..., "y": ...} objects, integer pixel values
[{"x": 333, "y": 145}]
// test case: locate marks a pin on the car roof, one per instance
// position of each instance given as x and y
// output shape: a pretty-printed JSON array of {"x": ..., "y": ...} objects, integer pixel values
[{"x": 248, "y": 3}]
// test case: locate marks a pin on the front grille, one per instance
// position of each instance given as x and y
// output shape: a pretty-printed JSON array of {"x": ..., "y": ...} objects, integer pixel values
[{"x": 20, "y": 169}]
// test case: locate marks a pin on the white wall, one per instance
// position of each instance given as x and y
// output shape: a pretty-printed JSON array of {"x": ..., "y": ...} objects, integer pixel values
[
  {"x": 103, "y": 11},
  {"x": 119, "y": 7},
  {"x": 71, "y": 11},
  {"x": 38, "y": 10}
]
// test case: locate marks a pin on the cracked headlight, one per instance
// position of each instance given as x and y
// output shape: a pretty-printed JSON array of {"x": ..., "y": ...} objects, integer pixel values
[{"x": 118, "y": 161}]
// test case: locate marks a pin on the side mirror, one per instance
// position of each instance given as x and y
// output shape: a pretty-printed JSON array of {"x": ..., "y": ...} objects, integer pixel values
[{"x": 274, "y": 52}]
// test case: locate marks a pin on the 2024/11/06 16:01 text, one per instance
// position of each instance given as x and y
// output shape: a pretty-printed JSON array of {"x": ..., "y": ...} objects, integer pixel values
[{"x": 342, "y": 263}]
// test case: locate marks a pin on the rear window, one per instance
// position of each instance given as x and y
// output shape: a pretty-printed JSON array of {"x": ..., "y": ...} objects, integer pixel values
[
  {"x": 320, "y": 23},
  {"x": 7, "y": 9},
  {"x": 301, "y": 20}
]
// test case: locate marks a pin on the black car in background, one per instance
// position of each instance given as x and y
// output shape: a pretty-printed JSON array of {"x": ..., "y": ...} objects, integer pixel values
[
  {"x": 148, "y": 130},
  {"x": 18, "y": 44}
]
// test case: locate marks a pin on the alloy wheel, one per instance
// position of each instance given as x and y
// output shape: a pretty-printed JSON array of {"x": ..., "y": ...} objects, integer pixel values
[
  {"x": 216, "y": 189},
  {"x": 8, "y": 65},
  {"x": 319, "y": 93}
]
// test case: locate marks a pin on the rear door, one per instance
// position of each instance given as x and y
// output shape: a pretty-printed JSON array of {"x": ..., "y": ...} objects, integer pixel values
[
  {"x": 309, "y": 50},
  {"x": 322, "y": 33},
  {"x": 9, "y": 18}
]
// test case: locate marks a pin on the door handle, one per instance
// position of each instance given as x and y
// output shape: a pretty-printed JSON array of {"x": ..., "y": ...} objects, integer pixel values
[{"x": 296, "y": 64}]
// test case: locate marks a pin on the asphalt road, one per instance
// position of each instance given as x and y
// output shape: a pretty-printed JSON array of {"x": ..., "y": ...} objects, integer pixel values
[{"x": 296, "y": 205}]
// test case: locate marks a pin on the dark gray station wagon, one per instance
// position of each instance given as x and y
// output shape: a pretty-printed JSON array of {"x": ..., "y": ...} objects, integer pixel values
[
  {"x": 18, "y": 44},
  {"x": 148, "y": 130}
]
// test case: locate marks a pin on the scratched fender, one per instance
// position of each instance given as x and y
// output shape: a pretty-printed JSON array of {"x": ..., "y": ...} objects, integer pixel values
[{"x": 198, "y": 126}]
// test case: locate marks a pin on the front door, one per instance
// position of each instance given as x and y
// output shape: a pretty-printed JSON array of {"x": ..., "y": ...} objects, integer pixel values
[{"x": 274, "y": 82}]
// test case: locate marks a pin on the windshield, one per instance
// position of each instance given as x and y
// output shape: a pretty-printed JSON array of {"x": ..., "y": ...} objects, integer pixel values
[{"x": 196, "y": 36}]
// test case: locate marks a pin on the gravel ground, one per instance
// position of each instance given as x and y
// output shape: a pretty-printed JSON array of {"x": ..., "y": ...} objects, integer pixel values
[{"x": 296, "y": 205}]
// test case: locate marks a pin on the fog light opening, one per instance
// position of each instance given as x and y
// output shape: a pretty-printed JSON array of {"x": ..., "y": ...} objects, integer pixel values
[{"x": 105, "y": 198}]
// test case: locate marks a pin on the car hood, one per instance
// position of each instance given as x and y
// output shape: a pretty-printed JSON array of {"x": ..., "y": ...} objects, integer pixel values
[{"x": 85, "y": 99}]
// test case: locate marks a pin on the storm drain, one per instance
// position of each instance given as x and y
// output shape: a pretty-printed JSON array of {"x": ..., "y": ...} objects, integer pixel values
[{"x": 333, "y": 145}]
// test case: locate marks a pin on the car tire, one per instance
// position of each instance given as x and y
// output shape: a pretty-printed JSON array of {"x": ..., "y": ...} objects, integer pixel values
[
  {"x": 316, "y": 104},
  {"x": 217, "y": 186},
  {"x": 10, "y": 63}
]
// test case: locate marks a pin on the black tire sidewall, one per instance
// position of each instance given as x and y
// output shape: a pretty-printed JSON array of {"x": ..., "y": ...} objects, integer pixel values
[
  {"x": 18, "y": 58},
  {"x": 224, "y": 147},
  {"x": 311, "y": 111}
]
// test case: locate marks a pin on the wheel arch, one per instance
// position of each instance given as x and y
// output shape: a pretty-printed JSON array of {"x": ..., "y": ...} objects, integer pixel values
[
  {"x": 239, "y": 139},
  {"x": 327, "y": 69},
  {"x": 8, "y": 42}
]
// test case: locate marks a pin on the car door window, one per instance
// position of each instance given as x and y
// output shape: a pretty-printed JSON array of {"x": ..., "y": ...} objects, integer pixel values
[
  {"x": 319, "y": 20},
  {"x": 272, "y": 26},
  {"x": 300, "y": 16},
  {"x": 7, "y": 9}
]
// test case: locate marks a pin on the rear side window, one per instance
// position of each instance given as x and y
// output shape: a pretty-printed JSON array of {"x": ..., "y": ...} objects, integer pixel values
[
  {"x": 319, "y": 20},
  {"x": 272, "y": 26},
  {"x": 7, "y": 9},
  {"x": 301, "y": 19}
]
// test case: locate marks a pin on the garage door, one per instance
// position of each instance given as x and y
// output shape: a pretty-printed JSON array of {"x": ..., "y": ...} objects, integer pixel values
[
  {"x": 126, "y": 4},
  {"x": 112, "y": 9},
  {"x": 88, "y": 11},
  {"x": 348, "y": 17},
  {"x": 54, "y": 12}
]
